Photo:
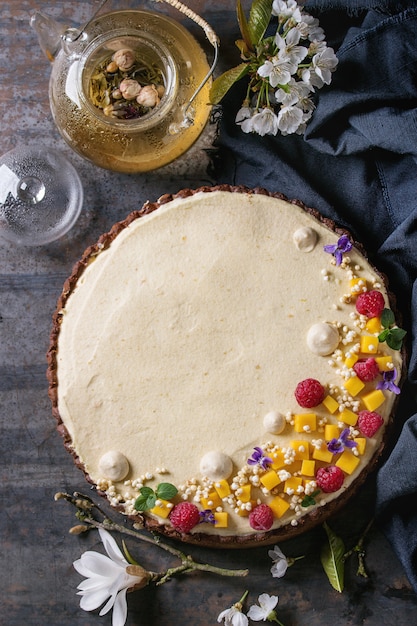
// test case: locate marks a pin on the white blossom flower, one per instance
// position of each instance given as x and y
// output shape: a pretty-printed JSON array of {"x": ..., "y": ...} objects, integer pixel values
[
  {"x": 234, "y": 615},
  {"x": 278, "y": 71},
  {"x": 310, "y": 28},
  {"x": 108, "y": 578},
  {"x": 265, "y": 611},
  {"x": 280, "y": 563},
  {"x": 290, "y": 50},
  {"x": 324, "y": 63},
  {"x": 289, "y": 119},
  {"x": 265, "y": 122},
  {"x": 285, "y": 10},
  {"x": 244, "y": 113}
]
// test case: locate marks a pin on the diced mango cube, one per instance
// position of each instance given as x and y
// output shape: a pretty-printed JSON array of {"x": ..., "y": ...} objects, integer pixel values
[
  {"x": 305, "y": 422},
  {"x": 223, "y": 488},
  {"x": 384, "y": 363},
  {"x": 278, "y": 460},
  {"x": 162, "y": 509},
  {"x": 322, "y": 454},
  {"x": 349, "y": 417},
  {"x": 302, "y": 449},
  {"x": 373, "y": 399},
  {"x": 308, "y": 468},
  {"x": 353, "y": 385},
  {"x": 221, "y": 519},
  {"x": 361, "y": 444},
  {"x": 369, "y": 344},
  {"x": 357, "y": 285},
  {"x": 331, "y": 431},
  {"x": 212, "y": 501},
  {"x": 373, "y": 325},
  {"x": 348, "y": 462},
  {"x": 292, "y": 484},
  {"x": 351, "y": 359},
  {"x": 331, "y": 404},
  {"x": 279, "y": 506},
  {"x": 270, "y": 479},
  {"x": 243, "y": 493}
]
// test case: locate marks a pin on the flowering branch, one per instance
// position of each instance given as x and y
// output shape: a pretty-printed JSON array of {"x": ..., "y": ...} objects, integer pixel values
[
  {"x": 85, "y": 512},
  {"x": 283, "y": 69}
]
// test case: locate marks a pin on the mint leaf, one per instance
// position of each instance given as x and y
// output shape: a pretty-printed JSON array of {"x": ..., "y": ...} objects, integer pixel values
[
  {"x": 383, "y": 336},
  {"x": 146, "y": 500},
  {"x": 166, "y": 491},
  {"x": 387, "y": 318},
  {"x": 310, "y": 499},
  {"x": 395, "y": 338},
  {"x": 332, "y": 559}
]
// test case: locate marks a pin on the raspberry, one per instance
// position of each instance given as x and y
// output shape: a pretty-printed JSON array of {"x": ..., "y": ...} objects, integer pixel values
[
  {"x": 309, "y": 393},
  {"x": 370, "y": 303},
  {"x": 329, "y": 478},
  {"x": 366, "y": 370},
  {"x": 184, "y": 516},
  {"x": 261, "y": 518},
  {"x": 369, "y": 422}
]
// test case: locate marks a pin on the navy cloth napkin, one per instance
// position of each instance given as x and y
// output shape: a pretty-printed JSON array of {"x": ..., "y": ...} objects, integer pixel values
[{"x": 357, "y": 164}]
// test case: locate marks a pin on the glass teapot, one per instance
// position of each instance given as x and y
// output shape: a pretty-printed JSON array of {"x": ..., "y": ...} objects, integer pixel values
[{"x": 130, "y": 89}]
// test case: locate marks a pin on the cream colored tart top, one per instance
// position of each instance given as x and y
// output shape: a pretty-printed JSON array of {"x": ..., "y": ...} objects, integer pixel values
[{"x": 183, "y": 342}]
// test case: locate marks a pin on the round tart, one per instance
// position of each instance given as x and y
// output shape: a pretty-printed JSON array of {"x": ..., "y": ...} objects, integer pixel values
[{"x": 220, "y": 366}]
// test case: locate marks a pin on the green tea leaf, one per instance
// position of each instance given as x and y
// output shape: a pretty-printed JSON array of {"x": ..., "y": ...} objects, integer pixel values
[
  {"x": 332, "y": 559},
  {"x": 223, "y": 83},
  {"x": 387, "y": 318},
  {"x": 259, "y": 18},
  {"x": 166, "y": 491}
]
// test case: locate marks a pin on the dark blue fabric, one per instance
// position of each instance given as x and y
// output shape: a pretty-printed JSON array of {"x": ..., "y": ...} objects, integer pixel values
[{"x": 357, "y": 164}]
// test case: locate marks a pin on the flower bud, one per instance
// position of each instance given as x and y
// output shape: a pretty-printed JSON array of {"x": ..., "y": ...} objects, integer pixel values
[
  {"x": 143, "y": 576},
  {"x": 124, "y": 58},
  {"x": 130, "y": 88},
  {"x": 78, "y": 529},
  {"x": 148, "y": 96}
]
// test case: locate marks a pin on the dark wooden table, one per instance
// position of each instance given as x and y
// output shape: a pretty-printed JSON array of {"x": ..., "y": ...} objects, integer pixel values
[{"x": 37, "y": 580}]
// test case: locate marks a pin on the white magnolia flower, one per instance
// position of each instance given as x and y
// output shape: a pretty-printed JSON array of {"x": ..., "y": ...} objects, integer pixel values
[
  {"x": 234, "y": 615},
  {"x": 324, "y": 63},
  {"x": 108, "y": 578},
  {"x": 279, "y": 559},
  {"x": 265, "y": 610}
]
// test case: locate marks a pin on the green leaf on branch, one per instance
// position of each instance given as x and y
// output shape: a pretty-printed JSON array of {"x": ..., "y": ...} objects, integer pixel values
[
  {"x": 223, "y": 83},
  {"x": 259, "y": 18},
  {"x": 332, "y": 559},
  {"x": 253, "y": 29}
]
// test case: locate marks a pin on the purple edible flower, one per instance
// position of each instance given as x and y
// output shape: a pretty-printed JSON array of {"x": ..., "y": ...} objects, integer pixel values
[
  {"x": 207, "y": 516},
  {"x": 338, "y": 445},
  {"x": 258, "y": 458},
  {"x": 338, "y": 249},
  {"x": 388, "y": 381}
]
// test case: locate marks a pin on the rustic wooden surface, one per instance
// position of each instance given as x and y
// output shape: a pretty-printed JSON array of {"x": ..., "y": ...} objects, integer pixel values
[{"x": 37, "y": 580}]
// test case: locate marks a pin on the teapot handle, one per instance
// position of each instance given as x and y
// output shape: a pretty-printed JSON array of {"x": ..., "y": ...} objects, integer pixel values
[{"x": 214, "y": 40}]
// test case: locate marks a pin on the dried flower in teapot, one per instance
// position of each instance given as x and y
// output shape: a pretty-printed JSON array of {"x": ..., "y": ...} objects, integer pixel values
[{"x": 124, "y": 86}]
